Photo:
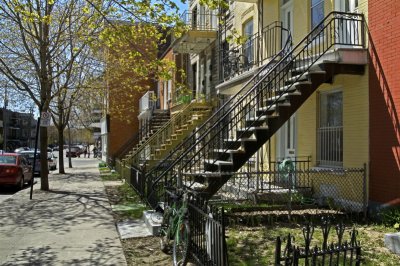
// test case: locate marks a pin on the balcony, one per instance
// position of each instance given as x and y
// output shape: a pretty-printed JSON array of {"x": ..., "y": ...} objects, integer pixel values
[
  {"x": 200, "y": 31},
  {"x": 257, "y": 50},
  {"x": 147, "y": 102}
]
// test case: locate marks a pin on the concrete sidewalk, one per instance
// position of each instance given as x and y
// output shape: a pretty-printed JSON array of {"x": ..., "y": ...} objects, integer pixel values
[{"x": 70, "y": 225}]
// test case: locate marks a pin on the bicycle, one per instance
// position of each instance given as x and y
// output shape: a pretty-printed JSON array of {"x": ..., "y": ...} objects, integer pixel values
[{"x": 175, "y": 226}]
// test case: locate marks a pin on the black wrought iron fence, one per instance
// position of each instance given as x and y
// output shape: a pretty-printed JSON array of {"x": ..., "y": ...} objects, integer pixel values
[
  {"x": 343, "y": 252},
  {"x": 208, "y": 245},
  {"x": 137, "y": 180}
]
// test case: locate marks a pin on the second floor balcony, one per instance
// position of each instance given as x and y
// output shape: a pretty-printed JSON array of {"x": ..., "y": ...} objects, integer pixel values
[
  {"x": 199, "y": 31},
  {"x": 147, "y": 103}
]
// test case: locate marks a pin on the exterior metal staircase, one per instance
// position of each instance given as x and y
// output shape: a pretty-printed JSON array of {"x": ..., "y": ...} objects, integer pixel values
[
  {"x": 158, "y": 143},
  {"x": 224, "y": 143}
]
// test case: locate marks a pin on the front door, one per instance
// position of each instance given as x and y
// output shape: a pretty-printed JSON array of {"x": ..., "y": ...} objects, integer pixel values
[
  {"x": 287, "y": 19},
  {"x": 287, "y": 139},
  {"x": 286, "y": 134}
]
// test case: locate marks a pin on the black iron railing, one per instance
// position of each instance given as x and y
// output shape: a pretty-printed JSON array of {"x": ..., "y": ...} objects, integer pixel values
[
  {"x": 197, "y": 20},
  {"x": 343, "y": 252},
  {"x": 208, "y": 245},
  {"x": 255, "y": 51},
  {"x": 224, "y": 130}
]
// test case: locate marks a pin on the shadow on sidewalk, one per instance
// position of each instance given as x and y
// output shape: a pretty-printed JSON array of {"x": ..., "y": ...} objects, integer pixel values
[{"x": 99, "y": 253}]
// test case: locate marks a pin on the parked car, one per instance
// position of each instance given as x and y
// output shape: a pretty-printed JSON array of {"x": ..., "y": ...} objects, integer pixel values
[
  {"x": 21, "y": 149},
  {"x": 74, "y": 152},
  {"x": 51, "y": 160},
  {"x": 28, "y": 155},
  {"x": 15, "y": 170}
]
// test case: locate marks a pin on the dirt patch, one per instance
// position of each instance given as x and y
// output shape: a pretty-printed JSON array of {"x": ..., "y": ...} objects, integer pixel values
[{"x": 138, "y": 251}]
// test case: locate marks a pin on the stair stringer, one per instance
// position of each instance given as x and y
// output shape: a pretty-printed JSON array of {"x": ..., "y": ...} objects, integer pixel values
[{"x": 285, "y": 112}]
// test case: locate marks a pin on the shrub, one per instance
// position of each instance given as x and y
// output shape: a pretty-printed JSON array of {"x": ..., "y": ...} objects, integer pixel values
[
  {"x": 102, "y": 164},
  {"x": 391, "y": 217}
]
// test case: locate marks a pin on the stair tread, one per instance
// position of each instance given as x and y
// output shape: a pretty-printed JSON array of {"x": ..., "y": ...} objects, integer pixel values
[
  {"x": 218, "y": 162},
  {"x": 284, "y": 95},
  {"x": 272, "y": 107},
  {"x": 229, "y": 150},
  {"x": 252, "y": 128},
  {"x": 240, "y": 139},
  {"x": 257, "y": 118},
  {"x": 292, "y": 87},
  {"x": 204, "y": 173}
]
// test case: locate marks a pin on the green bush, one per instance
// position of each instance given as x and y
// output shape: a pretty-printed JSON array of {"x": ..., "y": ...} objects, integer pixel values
[
  {"x": 102, "y": 164},
  {"x": 391, "y": 217}
]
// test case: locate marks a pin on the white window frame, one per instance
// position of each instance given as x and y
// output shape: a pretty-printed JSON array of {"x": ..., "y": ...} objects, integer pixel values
[{"x": 329, "y": 138}]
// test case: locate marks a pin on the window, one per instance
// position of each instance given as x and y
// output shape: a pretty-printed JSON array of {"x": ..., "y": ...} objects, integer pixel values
[
  {"x": 248, "y": 46},
  {"x": 317, "y": 12},
  {"x": 330, "y": 130}
]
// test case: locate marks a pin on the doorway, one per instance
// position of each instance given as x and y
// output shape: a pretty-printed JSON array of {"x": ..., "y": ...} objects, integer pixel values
[
  {"x": 347, "y": 29},
  {"x": 287, "y": 19}
]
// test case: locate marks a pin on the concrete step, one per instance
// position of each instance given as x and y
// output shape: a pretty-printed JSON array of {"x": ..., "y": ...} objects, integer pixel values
[
  {"x": 392, "y": 242},
  {"x": 153, "y": 221}
]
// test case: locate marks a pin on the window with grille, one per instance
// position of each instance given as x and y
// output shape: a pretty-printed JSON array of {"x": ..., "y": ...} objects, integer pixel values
[{"x": 330, "y": 130}]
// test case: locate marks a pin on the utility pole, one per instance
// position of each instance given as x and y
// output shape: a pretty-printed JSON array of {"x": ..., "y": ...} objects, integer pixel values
[{"x": 5, "y": 120}]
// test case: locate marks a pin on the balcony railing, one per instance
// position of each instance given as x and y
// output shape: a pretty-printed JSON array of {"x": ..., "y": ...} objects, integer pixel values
[
  {"x": 257, "y": 49},
  {"x": 147, "y": 102},
  {"x": 195, "y": 20}
]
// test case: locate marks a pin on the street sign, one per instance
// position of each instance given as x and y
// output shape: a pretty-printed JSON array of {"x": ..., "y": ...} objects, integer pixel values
[{"x": 45, "y": 119}]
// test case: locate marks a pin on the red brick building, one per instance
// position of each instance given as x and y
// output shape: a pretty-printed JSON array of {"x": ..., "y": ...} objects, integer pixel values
[
  {"x": 125, "y": 87},
  {"x": 384, "y": 80}
]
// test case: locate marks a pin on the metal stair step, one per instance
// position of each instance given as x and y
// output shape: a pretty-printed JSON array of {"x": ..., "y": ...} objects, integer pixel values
[{"x": 218, "y": 162}]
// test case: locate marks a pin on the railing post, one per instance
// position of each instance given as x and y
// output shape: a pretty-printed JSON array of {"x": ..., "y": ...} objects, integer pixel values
[
  {"x": 278, "y": 251},
  {"x": 365, "y": 198}
]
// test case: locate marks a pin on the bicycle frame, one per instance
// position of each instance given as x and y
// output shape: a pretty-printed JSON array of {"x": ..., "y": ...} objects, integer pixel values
[{"x": 176, "y": 216}]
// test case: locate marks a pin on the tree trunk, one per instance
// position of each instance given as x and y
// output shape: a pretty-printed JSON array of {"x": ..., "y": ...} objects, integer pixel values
[
  {"x": 44, "y": 169},
  {"x": 61, "y": 150}
]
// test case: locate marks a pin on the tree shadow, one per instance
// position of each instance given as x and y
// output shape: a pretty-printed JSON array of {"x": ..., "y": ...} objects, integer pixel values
[
  {"x": 59, "y": 210},
  {"x": 33, "y": 256}
]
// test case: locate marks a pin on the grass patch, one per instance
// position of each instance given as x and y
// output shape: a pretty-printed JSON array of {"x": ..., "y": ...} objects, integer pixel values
[
  {"x": 102, "y": 164},
  {"x": 104, "y": 169},
  {"x": 256, "y": 245},
  {"x": 125, "y": 195},
  {"x": 110, "y": 177}
]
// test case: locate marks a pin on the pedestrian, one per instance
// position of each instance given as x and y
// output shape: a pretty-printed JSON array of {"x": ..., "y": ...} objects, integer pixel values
[
  {"x": 85, "y": 152},
  {"x": 94, "y": 152},
  {"x": 88, "y": 151}
]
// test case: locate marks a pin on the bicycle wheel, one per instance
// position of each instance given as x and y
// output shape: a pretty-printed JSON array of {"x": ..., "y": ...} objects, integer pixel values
[
  {"x": 165, "y": 231},
  {"x": 181, "y": 244}
]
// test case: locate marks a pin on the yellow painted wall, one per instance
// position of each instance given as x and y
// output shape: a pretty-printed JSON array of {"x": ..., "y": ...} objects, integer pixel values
[
  {"x": 244, "y": 12},
  {"x": 355, "y": 120}
]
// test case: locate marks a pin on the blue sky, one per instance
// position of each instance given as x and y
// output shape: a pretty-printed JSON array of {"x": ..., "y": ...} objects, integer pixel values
[{"x": 182, "y": 7}]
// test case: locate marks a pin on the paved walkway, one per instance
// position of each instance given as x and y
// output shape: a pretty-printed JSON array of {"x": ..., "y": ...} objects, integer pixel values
[{"x": 70, "y": 225}]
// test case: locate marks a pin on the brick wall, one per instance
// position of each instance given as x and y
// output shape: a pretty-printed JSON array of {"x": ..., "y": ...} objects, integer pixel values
[{"x": 384, "y": 25}]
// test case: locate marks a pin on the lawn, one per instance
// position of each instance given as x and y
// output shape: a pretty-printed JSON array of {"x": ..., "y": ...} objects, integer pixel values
[
  {"x": 251, "y": 237},
  {"x": 256, "y": 245}
]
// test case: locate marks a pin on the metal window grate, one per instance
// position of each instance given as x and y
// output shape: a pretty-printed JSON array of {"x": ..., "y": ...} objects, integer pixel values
[{"x": 330, "y": 146}]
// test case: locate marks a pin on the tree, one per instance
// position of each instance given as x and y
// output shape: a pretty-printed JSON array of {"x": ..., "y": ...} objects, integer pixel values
[
  {"x": 41, "y": 41},
  {"x": 43, "y": 44}
]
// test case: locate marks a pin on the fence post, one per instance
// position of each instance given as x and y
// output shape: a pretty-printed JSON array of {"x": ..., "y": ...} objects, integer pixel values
[
  {"x": 278, "y": 251},
  {"x": 365, "y": 199}
]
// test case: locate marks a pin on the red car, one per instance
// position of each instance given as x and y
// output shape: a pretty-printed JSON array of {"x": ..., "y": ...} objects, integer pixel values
[{"x": 15, "y": 170}]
